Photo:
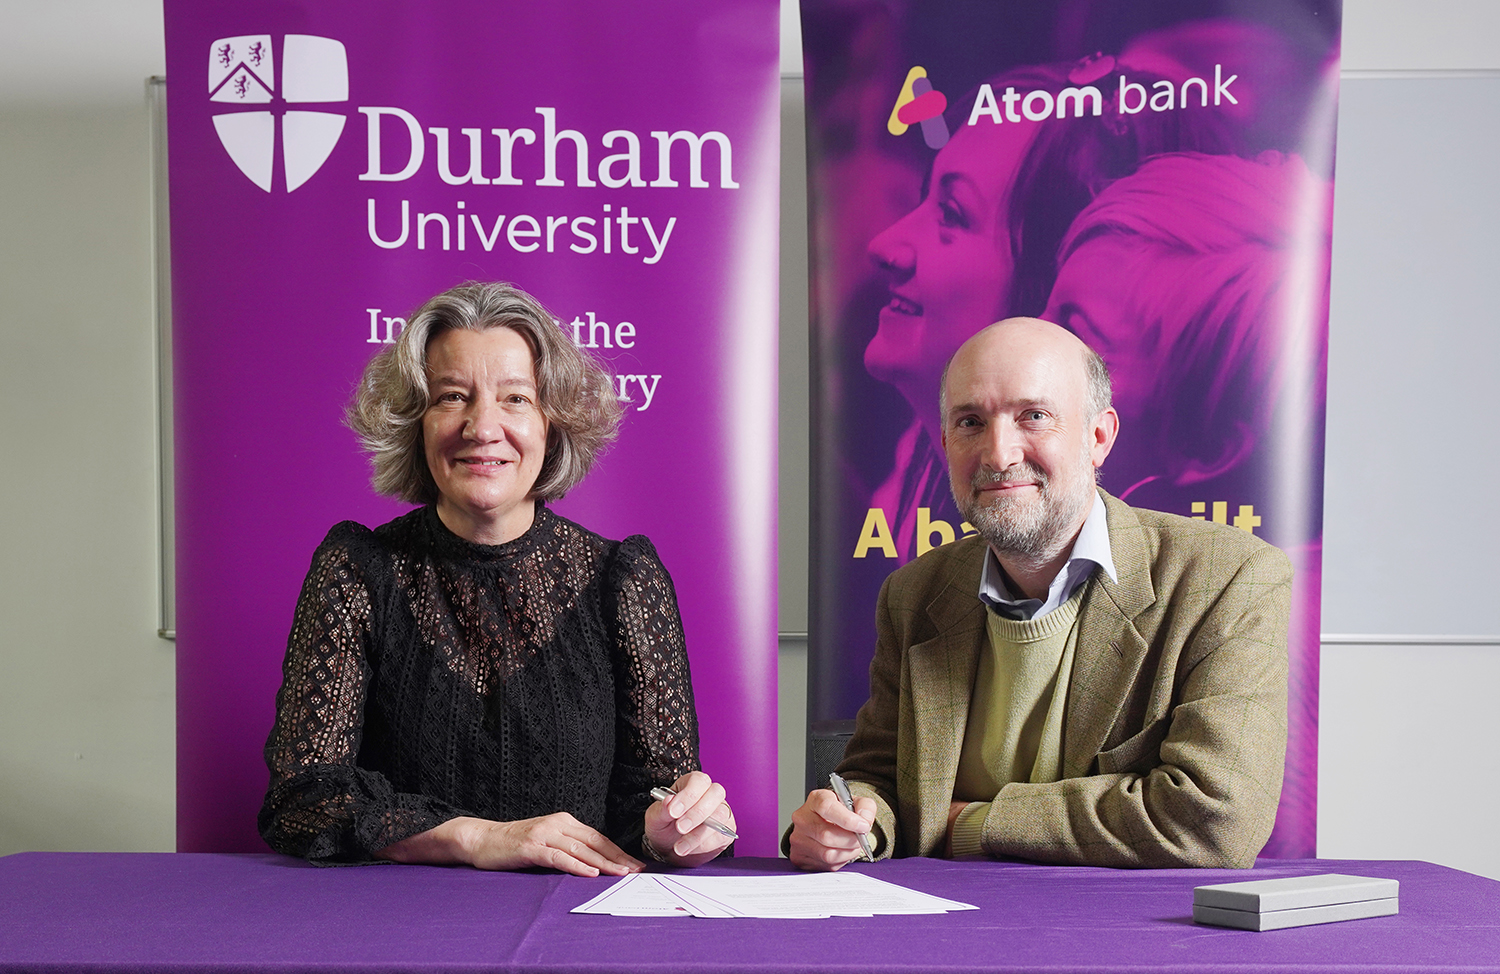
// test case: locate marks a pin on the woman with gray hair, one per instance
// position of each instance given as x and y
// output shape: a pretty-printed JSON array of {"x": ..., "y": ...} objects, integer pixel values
[{"x": 482, "y": 681}]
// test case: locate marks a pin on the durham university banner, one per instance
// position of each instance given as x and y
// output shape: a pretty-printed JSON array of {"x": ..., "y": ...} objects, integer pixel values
[{"x": 335, "y": 163}]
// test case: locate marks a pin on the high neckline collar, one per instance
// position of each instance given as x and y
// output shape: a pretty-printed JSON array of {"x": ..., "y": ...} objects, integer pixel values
[{"x": 449, "y": 545}]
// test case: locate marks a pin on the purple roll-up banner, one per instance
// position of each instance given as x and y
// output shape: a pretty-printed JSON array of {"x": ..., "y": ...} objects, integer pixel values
[
  {"x": 1155, "y": 176},
  {"x": 335, "y": 163}
]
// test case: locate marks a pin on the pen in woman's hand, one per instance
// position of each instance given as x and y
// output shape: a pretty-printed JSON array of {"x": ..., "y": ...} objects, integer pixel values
[{"x": 667, "y": 794}]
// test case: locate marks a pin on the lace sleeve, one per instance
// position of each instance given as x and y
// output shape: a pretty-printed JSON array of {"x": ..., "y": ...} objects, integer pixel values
[
  {"x": 320, "y": 805},
  {"x": 656, "y": 736}
]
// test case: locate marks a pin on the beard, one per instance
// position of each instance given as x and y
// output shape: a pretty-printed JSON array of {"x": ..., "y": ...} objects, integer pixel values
[{"x": 1035, "y": 528}]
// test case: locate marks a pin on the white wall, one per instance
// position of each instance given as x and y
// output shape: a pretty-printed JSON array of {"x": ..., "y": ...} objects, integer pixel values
[
  {"x": 86, "y": 687},
  {"x": 1414, "y": 247},
  {"x": 1407, "y": 757}
]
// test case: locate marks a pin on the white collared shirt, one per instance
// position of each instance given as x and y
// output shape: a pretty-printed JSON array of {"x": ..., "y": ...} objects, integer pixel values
[{"x": 1090, "y": 549}]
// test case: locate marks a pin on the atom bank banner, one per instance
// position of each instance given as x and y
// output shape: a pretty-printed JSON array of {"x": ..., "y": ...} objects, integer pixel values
[
  {"x": 1157, "y": 182},
  {"x": 332, "y": 165}
]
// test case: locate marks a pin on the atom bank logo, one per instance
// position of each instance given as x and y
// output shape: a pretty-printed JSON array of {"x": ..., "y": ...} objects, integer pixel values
[
  {"x": 242, "y": 71},
  {"x": 920, "y": 104}
]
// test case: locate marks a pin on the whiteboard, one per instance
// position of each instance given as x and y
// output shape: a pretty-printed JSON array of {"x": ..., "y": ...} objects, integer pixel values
[{"x": 1410, "y": 516}]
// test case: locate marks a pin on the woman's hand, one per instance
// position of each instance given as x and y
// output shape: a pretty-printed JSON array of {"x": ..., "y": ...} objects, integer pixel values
[
  {"x": 675, "y": 827},
  {"x": 556, "y": 841}
]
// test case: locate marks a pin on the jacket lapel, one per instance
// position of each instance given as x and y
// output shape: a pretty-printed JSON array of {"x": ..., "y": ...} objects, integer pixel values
[
  {"x": 1110, "y": 650},
  {"x": 942, "y": 680}
]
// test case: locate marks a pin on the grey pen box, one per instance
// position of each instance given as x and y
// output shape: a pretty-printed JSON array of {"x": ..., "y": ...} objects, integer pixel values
[{"x": 1274, "y": 904}]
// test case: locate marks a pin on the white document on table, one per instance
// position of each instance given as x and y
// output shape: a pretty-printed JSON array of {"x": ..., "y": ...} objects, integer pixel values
[
  {"x": 799, "y": 896},
  {"x": 638, "y": 895}
]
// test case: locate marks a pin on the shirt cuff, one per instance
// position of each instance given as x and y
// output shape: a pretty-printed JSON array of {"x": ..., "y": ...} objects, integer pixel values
[{"x": 968, "y": 828}]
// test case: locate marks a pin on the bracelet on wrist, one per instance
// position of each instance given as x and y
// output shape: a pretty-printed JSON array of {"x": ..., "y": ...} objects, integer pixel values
[{"x": 651, "y": 850}]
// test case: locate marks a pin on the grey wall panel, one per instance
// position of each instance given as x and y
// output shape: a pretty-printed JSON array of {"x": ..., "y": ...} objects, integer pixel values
[
  {"x": 1405, "y": 755},
  {"x": 1410, "y": 529}
]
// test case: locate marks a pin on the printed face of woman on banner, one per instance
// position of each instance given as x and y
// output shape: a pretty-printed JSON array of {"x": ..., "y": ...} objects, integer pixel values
[
  {"x": 1178, "y": 276},
  {"x": 1094, "y": 299},
  {"x": 947, "y": 262}
]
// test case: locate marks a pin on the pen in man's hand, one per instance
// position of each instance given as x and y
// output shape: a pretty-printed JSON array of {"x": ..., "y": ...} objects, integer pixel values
[
  {"x": 667, "y": 794},
  {"x": 842, "y": 791}
]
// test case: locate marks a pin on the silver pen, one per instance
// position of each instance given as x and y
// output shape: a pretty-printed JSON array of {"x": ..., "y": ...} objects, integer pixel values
[
  {"x": 667, "y": 794},
  {"x": 842, "y": 791}
]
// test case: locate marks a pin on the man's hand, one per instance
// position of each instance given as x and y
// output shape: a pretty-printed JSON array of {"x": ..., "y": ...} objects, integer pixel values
[
  {"x": 825, "y": 834},
  {"x": 953, "y": 809},
  {"x": 675, "y": 827}
]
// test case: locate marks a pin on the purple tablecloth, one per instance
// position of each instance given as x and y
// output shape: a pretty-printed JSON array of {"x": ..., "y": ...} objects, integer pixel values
[{"x": 139, "y": 912}]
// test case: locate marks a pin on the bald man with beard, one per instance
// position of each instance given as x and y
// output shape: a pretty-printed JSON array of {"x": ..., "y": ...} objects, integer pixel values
[{"x": 1083, "y": 682}]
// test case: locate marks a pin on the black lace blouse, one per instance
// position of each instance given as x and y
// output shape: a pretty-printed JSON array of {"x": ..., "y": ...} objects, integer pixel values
[{"x": 427, "y": 677}]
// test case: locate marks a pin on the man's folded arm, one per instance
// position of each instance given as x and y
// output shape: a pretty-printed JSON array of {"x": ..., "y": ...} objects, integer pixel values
[{"x": 1210, "y": 800}]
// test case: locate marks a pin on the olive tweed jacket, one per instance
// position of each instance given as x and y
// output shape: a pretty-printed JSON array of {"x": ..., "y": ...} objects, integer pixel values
[{"x": 1174, "y": 736}]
